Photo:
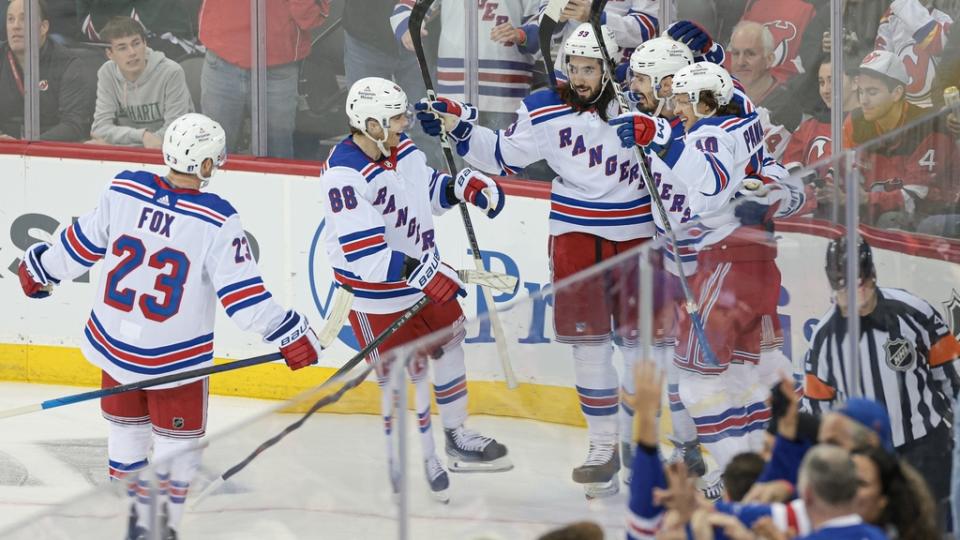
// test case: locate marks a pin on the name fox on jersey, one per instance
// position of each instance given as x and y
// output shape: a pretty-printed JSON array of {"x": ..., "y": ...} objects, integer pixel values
[{"x": 159, "y": 222}]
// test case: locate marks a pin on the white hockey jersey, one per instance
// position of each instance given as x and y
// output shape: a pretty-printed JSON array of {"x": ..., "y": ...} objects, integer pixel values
[
  {"x": 598, "y": 191},
  {"x": 506, "y": 69},
  {"x": 169, "y": 255},
  {"x": 674, "y": 195},
  {"x": 378, "y": 213},
  {"x": 718, "y": 154},
  {"x": 917, "y": 35}
]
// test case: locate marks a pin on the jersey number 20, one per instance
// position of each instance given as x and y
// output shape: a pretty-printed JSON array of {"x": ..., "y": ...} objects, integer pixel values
[{"x": 170, "y": 283}]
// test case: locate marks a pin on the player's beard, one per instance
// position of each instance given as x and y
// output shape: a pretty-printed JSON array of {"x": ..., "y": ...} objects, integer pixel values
[{"x": 599, "y": 102}]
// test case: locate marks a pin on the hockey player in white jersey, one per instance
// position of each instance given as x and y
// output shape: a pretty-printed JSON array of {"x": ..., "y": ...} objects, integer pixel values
[
  {"x": 737, "y": 282},
  {"x": 653, "y": 66},
  {"x": 380, "y": 198},
  {"x": 599, "y": 208},
  {"x": 170, "y": 252}
]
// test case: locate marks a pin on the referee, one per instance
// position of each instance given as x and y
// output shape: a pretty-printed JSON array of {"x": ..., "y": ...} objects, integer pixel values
[{"x": 906, "y": 364}]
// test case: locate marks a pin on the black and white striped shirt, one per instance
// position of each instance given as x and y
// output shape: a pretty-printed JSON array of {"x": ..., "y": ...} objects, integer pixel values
[{"x": 906, "y": 363}]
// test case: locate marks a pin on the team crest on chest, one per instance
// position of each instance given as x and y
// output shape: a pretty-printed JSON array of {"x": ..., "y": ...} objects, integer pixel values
[{"x": 901, "y": 355}]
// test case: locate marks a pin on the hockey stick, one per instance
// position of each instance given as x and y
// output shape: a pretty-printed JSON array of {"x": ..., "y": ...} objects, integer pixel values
[
  {"x": 548, "y": 25},
  {"x": 338, "y": 316},
  {"x": 504, "y": 283},
  {"x": 324, "y": 401},
  {"x": 415, "y": 24},
  {"x": 596, "y": 9}
]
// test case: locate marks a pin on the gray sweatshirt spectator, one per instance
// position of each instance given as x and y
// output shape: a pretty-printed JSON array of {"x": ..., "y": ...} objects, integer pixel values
[{"x": 139, "y": 91}]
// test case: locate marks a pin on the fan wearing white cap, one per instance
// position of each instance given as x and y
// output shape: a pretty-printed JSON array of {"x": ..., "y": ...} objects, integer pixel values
[
  {"x": 599, "y": 208},
  {"x": 379, "y": 197},
  {"x": 908, "y": 173}
]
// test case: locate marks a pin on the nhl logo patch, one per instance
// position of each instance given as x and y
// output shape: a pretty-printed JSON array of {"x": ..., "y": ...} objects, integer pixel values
[
  {"x": 177, "y": 422},
  {"x": 952, "y": 309},
  {"x": 901, "y": 354}
]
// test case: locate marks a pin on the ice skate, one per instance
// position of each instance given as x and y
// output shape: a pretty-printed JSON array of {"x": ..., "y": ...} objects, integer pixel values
[
  {"x": 438, "y": 479},
  {"x": 691, "y": 455},
  {"x": 598, "y": 474},
  {"x": 626, "y": 462},
  {"x": 711, "y": 485},
  {"x": 471, "y": 452}
]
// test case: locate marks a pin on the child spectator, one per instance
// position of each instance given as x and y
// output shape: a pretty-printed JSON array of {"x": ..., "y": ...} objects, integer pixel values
[{"x": 139, "y": 91}]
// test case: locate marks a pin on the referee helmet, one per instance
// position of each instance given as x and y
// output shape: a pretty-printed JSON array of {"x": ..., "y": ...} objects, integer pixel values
[{"x": 836, "y": 265}]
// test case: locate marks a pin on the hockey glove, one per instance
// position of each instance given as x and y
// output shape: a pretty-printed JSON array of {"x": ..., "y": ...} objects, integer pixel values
[
  {"x": 436, "y": 280},
  {"x": 479, "y": 190},
  {"x": 639, "y": 129},
  {"x": 692, "y": 35},
  {"x": 758, "y": 200},
  {"x": 297, "y": 342},
  {"x": 34, "y": 279},
  {"x": 429, "y": 114}
]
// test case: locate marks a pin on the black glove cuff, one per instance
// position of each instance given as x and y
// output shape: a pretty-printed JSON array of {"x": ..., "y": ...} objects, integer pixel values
[{"x": 409, "y": 265}]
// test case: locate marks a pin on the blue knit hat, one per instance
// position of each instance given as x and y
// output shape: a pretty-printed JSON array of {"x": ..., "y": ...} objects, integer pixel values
[{"x": 872, "y": 415}]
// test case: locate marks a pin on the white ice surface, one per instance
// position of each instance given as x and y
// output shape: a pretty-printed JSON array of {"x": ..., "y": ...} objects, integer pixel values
[{"x": 326, "y": 480}]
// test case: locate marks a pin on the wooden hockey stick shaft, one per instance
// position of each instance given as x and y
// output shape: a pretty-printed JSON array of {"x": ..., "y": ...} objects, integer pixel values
[
  {"x": 693, "y": 310},
  {"x": 417, "y": 16}
]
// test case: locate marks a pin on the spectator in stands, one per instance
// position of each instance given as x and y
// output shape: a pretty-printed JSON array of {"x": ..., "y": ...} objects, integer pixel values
[
  {"x": 371, "y": 50},
  {"x": 139, "y": 91},
  {"x": 506, "y": 66},
  {"x": 751, "y": 57},
  {"x": 225, "y": 81},
  {"x": 828, "y": 487},
  {"x": 916, "y": 32},
  {"x": 892, "y": 496},
  {"x": 170, "y": 25},
  {"x": 66, "y": 89},
  {"x": 786, "y": 20},
  {"x": 906, "y": 177},
  {"x": 742, "y": 471},
  {"x": 811, "y": 142}
]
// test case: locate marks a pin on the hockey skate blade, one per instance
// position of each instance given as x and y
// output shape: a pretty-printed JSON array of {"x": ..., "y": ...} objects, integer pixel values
[
  {"x": 442, "y": 496},
  {"x": 496, "y": 465},
  {"x": 601, "y": 490}
]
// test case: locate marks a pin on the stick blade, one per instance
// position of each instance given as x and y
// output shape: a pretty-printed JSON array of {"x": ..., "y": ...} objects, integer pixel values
[
  {"x": 493, "y": 280},
  {"x": 340, "y": 310},
  {"x": 548, "y": 25},
  {"x": 415, "y": 23}
]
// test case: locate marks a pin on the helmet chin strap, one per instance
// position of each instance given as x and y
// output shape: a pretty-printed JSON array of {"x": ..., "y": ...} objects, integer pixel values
[
  {"x": 380, "y": 142},
  {"x": 204, "y": 180}
]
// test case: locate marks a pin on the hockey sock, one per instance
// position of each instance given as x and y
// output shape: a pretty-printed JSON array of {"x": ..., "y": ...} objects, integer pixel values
[
  {"x": 596, "y": 381},
  {"x": 127, "y": 448},
  {"x": 684, "y": 429},
  {"x": 631, "y": 354},
  {"x": 450, "y": 387},
  {"x": 177, "y": 463},
  {"x": 421, "y": 386}
]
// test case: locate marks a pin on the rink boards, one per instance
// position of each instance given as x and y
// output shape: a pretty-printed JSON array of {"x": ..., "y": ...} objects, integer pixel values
[{"x": 39, "y": 340}]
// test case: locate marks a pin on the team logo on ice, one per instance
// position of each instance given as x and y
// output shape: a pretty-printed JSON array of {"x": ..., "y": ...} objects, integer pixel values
[
  {"x": 901, "y": 354},
  {"x": 177, "y": 422}
]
